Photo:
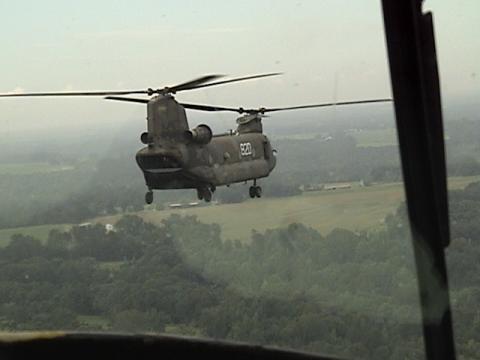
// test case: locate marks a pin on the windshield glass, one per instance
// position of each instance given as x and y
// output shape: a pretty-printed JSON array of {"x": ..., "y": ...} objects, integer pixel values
[{"x": 97, "y": 234}]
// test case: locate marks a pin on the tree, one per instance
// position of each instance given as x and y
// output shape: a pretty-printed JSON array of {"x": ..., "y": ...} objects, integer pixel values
[{"x": 22, "y": 247}]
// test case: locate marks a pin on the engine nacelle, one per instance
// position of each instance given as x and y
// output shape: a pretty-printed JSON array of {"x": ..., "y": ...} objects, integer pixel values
[{"x": 202, "y": 134}]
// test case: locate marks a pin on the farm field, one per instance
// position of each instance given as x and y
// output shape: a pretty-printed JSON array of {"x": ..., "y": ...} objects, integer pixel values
[
  {"x": 375, "y": 137},
  {"x": 358, "y": 208}
]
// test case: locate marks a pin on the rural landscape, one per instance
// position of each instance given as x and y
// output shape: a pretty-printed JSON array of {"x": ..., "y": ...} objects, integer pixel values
[
  {"x": 321, "y": 263},
  {"x": 231, "y": 171}
]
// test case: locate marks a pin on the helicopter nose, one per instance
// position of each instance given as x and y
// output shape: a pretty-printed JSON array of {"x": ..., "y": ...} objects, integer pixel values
[{"x": 158, "y": 163}]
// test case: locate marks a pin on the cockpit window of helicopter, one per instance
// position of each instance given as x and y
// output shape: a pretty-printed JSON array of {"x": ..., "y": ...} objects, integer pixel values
[{"x": 224, "y": 170}]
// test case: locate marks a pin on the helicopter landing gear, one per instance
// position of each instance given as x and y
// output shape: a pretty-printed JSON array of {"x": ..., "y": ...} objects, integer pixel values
[
  {"x": 255, "y": 191},
  {"x": 205, "y": 194},
  {"x": 199, "y": 194},
  {"x": 149, "y": 197}
]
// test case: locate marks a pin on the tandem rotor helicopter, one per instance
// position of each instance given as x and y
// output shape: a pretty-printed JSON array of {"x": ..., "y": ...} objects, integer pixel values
[{"x": 177, "y": 157}]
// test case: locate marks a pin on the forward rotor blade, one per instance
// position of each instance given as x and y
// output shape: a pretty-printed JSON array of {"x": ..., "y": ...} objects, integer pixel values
[
  {"x": 210, "y": 108},
  {"x": 264, "y": 110},
  {"x": 77, "y": 93},
  {"x": 189, "y": 85},
  {"x": 192, "y": 84},
  {"x": 233, "y": 80},
  {"x": 118, "y": 98},
  {"x": 184, "y": 86}
]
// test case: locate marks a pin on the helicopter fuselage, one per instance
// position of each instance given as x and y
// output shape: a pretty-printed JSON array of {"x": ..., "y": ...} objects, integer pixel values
[
  {"x": 177, "y": 157},
  {"x": 226, "y": 159}
]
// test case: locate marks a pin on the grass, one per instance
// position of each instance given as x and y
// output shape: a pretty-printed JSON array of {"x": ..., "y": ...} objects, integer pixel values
[
  {"x": 460, "y": 182},
  {"x": 183, "y": 330},
  {"x": 94, "y": 321},
  {"x": 111, "y": 265},
  {"x": 375, "y": 137},
  {"x": 358, "y": 208}
]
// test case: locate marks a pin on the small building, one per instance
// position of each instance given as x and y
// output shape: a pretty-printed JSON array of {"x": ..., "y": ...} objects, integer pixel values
[
  {"x": 312, "y": 187},
  {"x": 175, "y": 206},
  {"x": 337, "y": 186}
]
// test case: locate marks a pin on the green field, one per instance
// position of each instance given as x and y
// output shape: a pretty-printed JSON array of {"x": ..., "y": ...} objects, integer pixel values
[
  {"x": 375, "y": 137},
  {"x": 358, "y": 208},
  {"x": 363, "y": 137},
  {"x": 95, "y": 321}
]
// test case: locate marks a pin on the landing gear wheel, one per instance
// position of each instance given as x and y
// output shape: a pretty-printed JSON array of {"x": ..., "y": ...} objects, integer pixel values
[
  {"x": 149, "y": 197},
  {"x": 207, "y": 195},
  {"x": 258, "y": 191},
  {"x": 252, "y": 191},
  {"x": 204, "y": 194}
]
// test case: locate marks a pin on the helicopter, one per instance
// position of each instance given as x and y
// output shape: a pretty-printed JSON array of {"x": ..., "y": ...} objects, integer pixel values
[{"x": 177, "y": 157}]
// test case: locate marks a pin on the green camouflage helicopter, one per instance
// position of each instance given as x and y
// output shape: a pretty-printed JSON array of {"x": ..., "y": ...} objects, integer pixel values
[{"x": 177, "y": 157}]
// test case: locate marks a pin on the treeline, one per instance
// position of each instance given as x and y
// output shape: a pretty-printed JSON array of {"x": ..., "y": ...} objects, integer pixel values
[
  {"x": 346, "y": 293},
  {"x": 146, "y": 278}
]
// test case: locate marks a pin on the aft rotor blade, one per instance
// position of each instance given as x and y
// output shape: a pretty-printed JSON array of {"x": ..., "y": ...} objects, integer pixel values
[
  {"x": 210, "y": 108},
  {"x": 77, "y": 93},
  {"x": 233, "y": 80},
  {"x": 263, "y": 110},
  {"x": 118, "y": 98}
]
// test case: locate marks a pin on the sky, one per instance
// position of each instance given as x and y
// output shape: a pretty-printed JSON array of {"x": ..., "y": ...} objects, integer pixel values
[{"x": 328, "y": 50}]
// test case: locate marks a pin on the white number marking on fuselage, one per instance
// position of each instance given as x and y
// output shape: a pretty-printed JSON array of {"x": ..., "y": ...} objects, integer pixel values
[{"x": 245, "y": 149}]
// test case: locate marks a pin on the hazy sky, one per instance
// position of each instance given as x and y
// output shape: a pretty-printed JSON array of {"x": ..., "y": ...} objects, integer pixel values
[{"x": 326, "y": 48}]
